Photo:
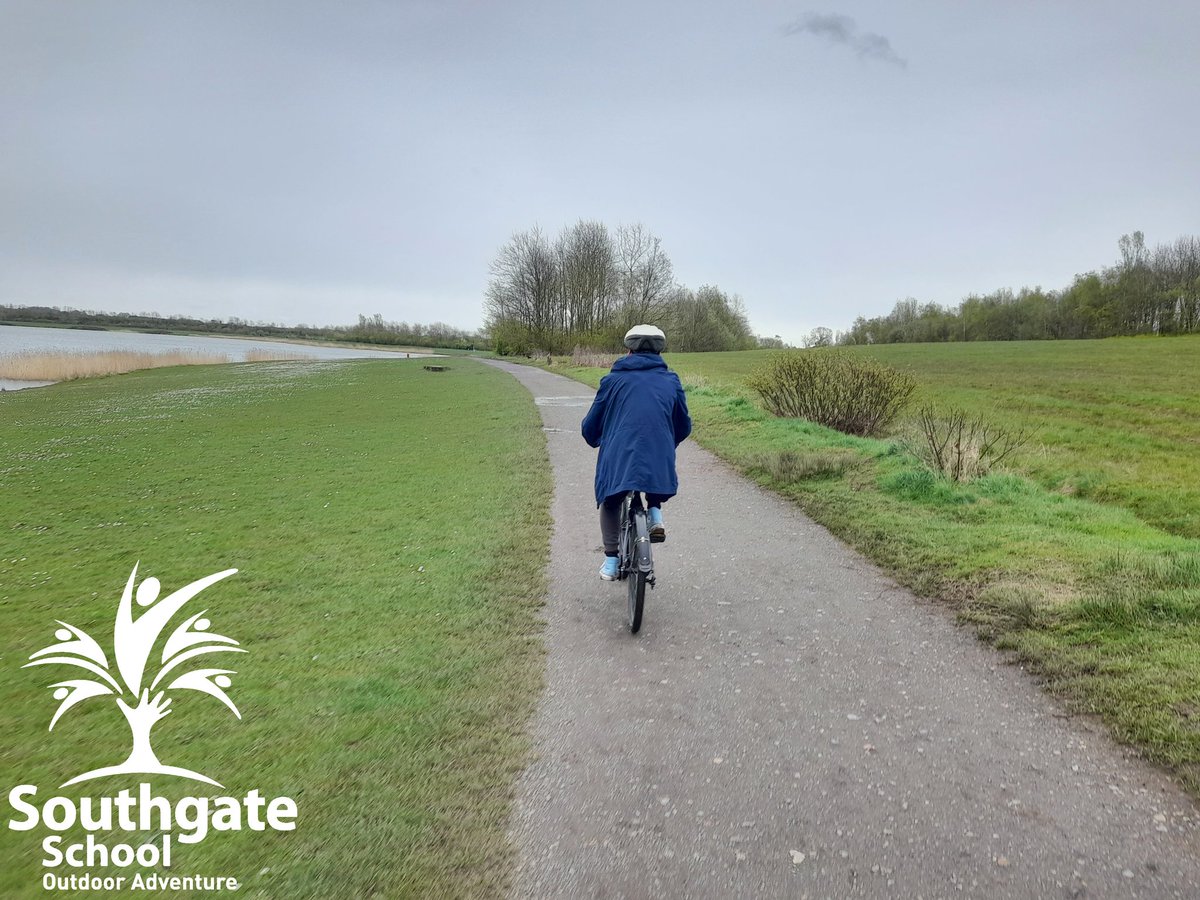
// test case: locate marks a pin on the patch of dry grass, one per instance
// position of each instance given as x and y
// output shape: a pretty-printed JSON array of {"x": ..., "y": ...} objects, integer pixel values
[
  {"x": 586, "y": 356},
  {"x": 65, "y": 366}
]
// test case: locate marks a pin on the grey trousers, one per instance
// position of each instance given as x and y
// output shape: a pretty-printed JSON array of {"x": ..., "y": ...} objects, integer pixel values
[{"x": 610, "y": 518}]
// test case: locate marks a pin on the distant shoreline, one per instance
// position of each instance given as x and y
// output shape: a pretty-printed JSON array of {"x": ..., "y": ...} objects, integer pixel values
[
  {"x": 180, "y": 332},
  {"x": 60, "y": 348}
]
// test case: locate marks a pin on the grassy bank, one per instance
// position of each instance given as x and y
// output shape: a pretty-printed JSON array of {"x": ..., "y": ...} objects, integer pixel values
[
  {"x": 1082, "y": 558},
  {"x": 389, "y": 528}
]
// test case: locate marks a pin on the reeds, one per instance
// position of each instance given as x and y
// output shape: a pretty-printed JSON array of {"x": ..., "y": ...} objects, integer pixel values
[
  {"x": 64, "y": 366},
  {"x": 587, "y": 356}
]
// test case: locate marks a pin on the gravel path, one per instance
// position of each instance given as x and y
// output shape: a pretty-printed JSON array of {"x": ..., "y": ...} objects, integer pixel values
[{"x": 790, "y": 723}]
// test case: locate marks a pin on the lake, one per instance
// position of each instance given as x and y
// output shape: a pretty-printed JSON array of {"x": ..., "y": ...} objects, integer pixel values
[{"x": 23, "y": 339}]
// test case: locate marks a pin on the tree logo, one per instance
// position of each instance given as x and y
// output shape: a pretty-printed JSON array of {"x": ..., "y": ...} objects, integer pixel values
[{"x": 133, "y": 641}]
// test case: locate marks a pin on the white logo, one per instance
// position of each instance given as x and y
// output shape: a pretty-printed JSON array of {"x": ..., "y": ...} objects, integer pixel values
[{"x": 143, "y": 704}]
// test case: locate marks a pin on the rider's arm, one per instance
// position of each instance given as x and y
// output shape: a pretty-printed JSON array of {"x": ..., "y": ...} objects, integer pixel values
[
  {"x": 593, "y": 422},
  {"x": 680, "y": 420}
]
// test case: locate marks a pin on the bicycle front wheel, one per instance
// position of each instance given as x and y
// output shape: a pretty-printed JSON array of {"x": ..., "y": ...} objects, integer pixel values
[{"x": 639, "y": 567}]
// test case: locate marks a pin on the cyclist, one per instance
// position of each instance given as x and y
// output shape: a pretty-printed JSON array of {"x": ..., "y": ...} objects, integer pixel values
[{"x": 637, "y": 420}]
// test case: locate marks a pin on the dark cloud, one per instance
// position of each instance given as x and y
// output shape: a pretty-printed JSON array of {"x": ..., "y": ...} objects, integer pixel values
[{"x": 843, "y": 30}]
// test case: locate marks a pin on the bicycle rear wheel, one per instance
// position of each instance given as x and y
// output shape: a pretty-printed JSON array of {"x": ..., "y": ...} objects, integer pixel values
[{"x": 638, "y": 570}]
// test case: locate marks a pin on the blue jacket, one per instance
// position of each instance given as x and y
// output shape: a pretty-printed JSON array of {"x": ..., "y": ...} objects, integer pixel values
[{"x": 637, "y": 420}]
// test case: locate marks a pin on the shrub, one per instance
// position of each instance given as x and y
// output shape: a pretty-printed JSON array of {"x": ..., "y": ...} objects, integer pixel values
[
  {"x": 853, "y": 394},
  {"x": 511, "y": 339},
  {"x": 964, "y": 447}
]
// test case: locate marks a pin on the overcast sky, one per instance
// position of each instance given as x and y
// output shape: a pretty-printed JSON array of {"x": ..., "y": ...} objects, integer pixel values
[{"x": 298, "y": 161}]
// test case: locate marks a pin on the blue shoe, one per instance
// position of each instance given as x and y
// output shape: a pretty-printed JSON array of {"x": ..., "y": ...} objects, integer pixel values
[
  {"x": 608, "y": 571},
  {"x": 658, "y": 531}
]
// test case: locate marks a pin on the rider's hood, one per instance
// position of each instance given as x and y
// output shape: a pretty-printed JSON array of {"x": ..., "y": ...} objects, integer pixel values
[{"x": 636, "y": 362}]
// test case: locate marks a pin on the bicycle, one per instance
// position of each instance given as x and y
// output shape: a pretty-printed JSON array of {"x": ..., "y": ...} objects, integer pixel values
[{"x": 635, "y": 562}]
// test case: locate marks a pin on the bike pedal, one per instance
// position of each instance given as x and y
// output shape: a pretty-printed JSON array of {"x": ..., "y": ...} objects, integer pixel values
[{"x": 657, "y": 538}]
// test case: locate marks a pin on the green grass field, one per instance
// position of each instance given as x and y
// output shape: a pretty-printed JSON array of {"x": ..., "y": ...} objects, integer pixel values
[
  {"x": 389, "y": 525},
  {"x": 1082, "y": 557},
  {"x": 1115, "y": 420}
]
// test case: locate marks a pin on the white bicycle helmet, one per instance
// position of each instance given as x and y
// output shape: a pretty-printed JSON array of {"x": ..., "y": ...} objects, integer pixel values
[{"x": 645, "y": 338}]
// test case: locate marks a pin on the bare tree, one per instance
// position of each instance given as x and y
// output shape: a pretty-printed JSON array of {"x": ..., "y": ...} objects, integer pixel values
[
  {"x": 1187, "y": 279},
  {"x": 646, "y": 276},
  {"x": 1176, "y": 273},
  {"x": 587, "y": 276},
  {"x": 523, "y": 287}
]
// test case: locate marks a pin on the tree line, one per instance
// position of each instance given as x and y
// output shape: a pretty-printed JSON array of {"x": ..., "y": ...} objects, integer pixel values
[
  {"x": 375, "y": 330},
  {"x": 1147, "y": 291},
  {"x": 589, "y": 285}
]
